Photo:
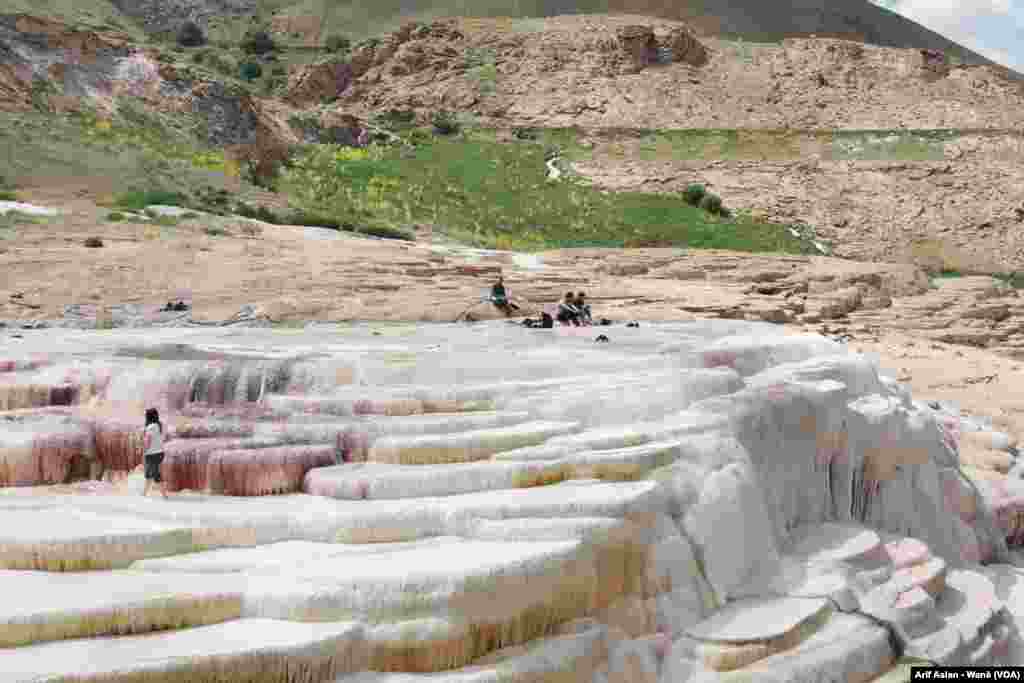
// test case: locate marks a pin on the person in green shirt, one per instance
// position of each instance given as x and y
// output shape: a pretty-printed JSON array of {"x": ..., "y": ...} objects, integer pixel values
[{"x": 499, "y": 296}]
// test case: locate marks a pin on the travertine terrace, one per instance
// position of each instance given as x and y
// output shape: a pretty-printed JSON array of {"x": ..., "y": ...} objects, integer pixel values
[{"x": 698, "y": 501}]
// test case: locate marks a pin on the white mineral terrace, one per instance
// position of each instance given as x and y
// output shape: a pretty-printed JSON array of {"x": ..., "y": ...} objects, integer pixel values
[{"x": 712, "y": 501}]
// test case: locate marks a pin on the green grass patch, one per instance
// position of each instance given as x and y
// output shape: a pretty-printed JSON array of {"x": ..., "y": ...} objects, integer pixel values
[
  {"x": 8, "y": 196},
  {"x": 492, "y": 194},
  {"x": 115, "y": 216},
  {"x": 138, "y": 200},
  {"x": 1014, "y": 279},
  {"x": 758, "y": 145},
  {"x": 888, "y": 145},
  {"x": 718, "y": 144}
]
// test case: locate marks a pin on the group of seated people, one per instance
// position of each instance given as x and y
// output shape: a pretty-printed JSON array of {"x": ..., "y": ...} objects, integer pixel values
[{"x": 574, "y": 310}]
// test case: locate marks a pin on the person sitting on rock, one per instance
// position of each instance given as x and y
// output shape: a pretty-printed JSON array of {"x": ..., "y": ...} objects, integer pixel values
[
  {"x": 583, "y": 308},
  {"x": 568, "y": 314},
  {"x": 499, "y": 297}
]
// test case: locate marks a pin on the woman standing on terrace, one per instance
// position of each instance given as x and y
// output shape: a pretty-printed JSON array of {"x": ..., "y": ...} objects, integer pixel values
[{"x": 153, "y": 454}]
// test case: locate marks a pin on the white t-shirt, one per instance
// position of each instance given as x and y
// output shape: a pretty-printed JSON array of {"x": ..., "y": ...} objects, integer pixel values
[{"x": 154, "y": 439}]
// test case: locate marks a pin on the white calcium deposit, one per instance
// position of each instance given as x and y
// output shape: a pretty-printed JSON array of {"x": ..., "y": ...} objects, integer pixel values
[{"x": 713, "y": 501}]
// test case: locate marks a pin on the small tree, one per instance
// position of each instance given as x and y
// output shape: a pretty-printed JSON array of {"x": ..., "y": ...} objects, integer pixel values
[
  {"x": 190, "y": 35},
  {"x": 711, "y": 203},
  {"x": 693, "y": 194},
  {"x": 337, "y": 43},
  {"x": 258, "y": 42},
  {"x": 445, "y": 123},
  {"x": 250, "y": 71}
]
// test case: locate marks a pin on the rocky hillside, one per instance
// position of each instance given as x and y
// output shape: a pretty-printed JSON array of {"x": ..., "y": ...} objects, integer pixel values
[
  {"x": 636, "y": 72},
  {"x": 893, "y": 154},
  {"x": 312, "y": 21}
]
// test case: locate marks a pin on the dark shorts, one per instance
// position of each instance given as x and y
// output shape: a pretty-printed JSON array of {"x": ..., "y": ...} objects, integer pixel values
[{"x": 153, "y": 463}]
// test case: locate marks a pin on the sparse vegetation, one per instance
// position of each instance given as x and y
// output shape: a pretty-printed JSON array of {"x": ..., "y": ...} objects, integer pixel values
[
  {"x": 445, "y": 123},
  {"x": 260, "y": 213},
  {"x": 214, "y": 231},
  {"x": 258, "y": 42},
  {"x": 115, "y": 216},
  {"x": 396, "y": 120},
  {"x": 337, "y": 43},
  {"x": 386, "y": 232},
  {"x": 12, "y": 219},
  {"x": 8, "y": 196},
  {"x": 251, "y": 231}
]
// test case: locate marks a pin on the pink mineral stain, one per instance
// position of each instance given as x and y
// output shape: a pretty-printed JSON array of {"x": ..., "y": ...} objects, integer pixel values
[
  {"x": 715, "y": 359},
  {"x": 1001, "y": 647},
  {"x": 907, "y": 552},
  {"x": 970, "y": 552},
  {"x": 662, "y": 644}
]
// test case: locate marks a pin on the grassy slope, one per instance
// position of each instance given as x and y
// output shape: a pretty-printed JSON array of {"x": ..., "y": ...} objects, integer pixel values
[
  {"x": 474, "y": 188},
  {"x": 140, "y": 151},
  {"x": 95, "y": 14},
  {"x": 494, "y": 194}
]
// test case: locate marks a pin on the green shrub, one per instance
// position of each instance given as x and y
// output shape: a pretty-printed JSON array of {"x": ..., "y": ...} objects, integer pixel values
[
  {"x": 711, "y": 203},
  {"x": 396, "y": 119},
  {"x": 215, "y": 232},
  {"x": 8, "y": 196},
  {"x": 312, "y": 220},
  {"x": 250, "y": 71},
  {"x": 418, "y": 136},
  {"x": 258, "y": 42},
  {"x": 445, "y": 123},
  {"x": 190, "y": 35},
  {"x": 115, "y": 216},
  {"x": 693, "y": 194},
  {"x": 260, "y": 213},
  {"x": 337, "y": 43},
  {"x": 211, "y": 200},
  {"x": 138, "y": 200},
  {"x": 386, "y": 231}
]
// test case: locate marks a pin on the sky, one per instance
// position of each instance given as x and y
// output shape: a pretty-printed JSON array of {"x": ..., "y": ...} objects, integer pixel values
[{"x": 993, "y": 28}]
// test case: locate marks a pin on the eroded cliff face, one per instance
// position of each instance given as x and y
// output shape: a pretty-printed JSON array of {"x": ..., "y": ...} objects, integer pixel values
[
  {"x": 47, "y": 65},
  {"x": 635, "y": 72}
]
